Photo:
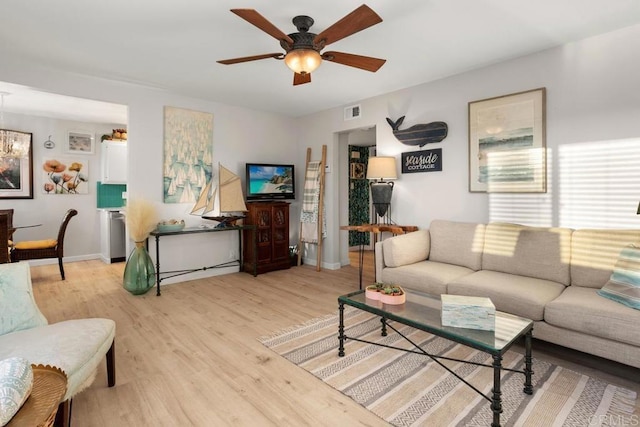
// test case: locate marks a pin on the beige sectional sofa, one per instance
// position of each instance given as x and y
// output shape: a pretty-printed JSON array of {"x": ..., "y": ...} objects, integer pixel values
[{"x": 549, "y": 275}]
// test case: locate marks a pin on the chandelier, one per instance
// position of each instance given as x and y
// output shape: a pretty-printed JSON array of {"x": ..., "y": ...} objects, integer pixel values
[{"x": 12, "y": 144}]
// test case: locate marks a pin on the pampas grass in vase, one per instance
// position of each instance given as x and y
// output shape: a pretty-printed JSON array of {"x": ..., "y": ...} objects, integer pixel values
[
  {"x": 142, "y": 219},
  {"x": 139, "y": 273}
]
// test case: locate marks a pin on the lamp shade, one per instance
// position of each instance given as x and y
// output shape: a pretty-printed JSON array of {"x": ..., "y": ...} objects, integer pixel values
[
  {"x": 381, "y": 168},
  {"x": 303, "y": 61}
]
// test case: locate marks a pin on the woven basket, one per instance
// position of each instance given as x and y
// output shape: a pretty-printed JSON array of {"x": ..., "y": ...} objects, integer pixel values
[{"x": 49, "y": 388}]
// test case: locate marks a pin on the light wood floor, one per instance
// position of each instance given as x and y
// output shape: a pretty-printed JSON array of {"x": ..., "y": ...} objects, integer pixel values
[{"x": 191, "y": 356}]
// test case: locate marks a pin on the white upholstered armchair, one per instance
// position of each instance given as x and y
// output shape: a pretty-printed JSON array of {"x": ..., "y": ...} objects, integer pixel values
[{"x": 75, "y": 346}]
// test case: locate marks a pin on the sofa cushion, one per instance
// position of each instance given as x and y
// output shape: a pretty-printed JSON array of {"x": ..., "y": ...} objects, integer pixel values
[
  {"x": 75, "y": 346},
  {"x": 594, "y": 254},
  {"x": 519, "y": 295},
  {"x": 18, "y": 309},
  {"x": 458, "y": 243},
  {"x": 426, "y": 276},
  {"x": 609, "y": 349},
  {"x": 542, "y": 253},
  {"x": 406, "y": 248},
  {"x": 624, "y": 284},
  {"x": 582, "y": 309}
]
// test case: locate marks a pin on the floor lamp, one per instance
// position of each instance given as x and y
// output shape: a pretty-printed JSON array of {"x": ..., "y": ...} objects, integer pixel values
[{"x": 380, "y": 169}]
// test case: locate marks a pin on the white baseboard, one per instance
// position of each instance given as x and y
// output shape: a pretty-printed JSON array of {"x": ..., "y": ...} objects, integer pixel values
[
  {"x": 327, "y": 265},
  {"x": 47, "y": 261}
]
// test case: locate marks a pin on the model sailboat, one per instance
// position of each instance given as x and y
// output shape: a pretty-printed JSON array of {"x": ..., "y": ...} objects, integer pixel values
[{"x": 221, "y": 199}]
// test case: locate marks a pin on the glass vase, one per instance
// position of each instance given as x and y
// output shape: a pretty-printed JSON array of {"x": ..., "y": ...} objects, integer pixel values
[{"x": 139, "y": 273}]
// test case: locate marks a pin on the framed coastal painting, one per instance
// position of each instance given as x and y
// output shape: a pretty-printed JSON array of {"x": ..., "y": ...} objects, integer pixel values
[
  {"x": 80, "y": 142},
  {"x": 16, "y": 165},
  {"x": 188, "y": 154},
  {"x": 507, "y": 143}
]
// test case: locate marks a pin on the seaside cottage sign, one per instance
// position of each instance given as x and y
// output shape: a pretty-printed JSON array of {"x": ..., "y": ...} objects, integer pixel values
[{"x": 422, "y": 161}]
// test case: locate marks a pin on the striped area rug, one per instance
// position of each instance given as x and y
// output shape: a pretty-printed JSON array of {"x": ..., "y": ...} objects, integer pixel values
[{"x": 406, "y": 389}]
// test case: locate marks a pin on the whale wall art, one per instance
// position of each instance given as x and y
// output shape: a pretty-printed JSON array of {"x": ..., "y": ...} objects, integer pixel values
[{"x": 420, "y": 134}]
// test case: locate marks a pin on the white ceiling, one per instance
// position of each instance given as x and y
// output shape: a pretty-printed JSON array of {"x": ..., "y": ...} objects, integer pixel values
[{"x": 174, "y": 44}]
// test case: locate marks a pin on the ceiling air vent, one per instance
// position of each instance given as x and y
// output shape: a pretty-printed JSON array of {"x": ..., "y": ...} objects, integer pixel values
[{"x": 352, "y": 112}]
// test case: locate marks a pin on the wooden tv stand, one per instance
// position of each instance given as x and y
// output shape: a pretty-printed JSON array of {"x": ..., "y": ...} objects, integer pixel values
[{"x": 271, "y": 221}]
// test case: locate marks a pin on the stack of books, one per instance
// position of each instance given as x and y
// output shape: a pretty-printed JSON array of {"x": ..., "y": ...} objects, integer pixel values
[{"x": 468, "y": 312}]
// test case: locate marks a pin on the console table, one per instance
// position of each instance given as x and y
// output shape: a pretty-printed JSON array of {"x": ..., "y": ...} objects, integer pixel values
[
  {"x": 376, "y": 229},
  {"x": 196, "y": 230}
]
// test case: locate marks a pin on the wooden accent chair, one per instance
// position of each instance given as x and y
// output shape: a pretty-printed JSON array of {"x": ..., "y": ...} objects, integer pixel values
[
  {"x": 40, "y": 249},
  {"x": 9, "y": 214},
  {"x": 4, "y": 238}
]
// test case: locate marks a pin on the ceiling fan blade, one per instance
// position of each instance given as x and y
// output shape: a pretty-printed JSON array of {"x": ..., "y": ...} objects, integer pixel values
[
  {"x": 253, "y": 17},
  {"x": 251, "y": 58},
  {"x": 300, "y": 79},
  {"x": 361, "y": 18},
  {"x": 363, "y": 62}
]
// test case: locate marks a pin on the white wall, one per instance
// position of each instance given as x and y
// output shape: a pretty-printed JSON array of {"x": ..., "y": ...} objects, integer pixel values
[
  {"x": 593, "y": 95},
  {"x": 82, "y": 240},
  {"x": 240, "y": 135}
]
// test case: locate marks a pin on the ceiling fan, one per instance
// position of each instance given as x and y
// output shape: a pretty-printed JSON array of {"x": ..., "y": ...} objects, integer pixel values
[{"x": 303, "y": 49}]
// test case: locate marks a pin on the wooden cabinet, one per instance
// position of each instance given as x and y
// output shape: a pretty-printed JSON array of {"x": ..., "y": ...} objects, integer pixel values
[
  {"x": 114, "y": 162},
  {"x": 272, "y": 237}
]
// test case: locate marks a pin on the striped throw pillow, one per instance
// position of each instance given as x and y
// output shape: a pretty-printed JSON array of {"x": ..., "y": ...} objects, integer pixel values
[{"x": 624, "y": 284}]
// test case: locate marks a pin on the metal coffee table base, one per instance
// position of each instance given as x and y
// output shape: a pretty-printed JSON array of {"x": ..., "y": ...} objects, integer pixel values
[{"x": 496, "y": 394}]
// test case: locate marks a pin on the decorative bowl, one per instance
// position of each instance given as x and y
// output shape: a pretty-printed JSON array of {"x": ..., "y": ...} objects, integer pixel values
[{"x": 171, "y": 225}]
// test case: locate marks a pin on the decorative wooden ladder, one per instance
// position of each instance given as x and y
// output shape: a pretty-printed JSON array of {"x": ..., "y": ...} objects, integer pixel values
[{"x": 320, "y": 219}]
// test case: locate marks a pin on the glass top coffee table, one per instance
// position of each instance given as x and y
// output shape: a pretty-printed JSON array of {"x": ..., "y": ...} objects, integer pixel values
[{"x": 422, "y": 311}]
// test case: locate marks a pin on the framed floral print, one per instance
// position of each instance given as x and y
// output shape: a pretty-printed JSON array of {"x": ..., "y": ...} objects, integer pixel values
[{"x": 65, "y": 176}]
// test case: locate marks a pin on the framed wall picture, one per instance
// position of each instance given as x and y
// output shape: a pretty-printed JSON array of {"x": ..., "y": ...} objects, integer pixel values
[
  {"x": 357, "y": 170},
  {"x": 16, "y": 165},
  {"x": 65, "y": 175},
  {"x": 507, "y": 145},
  {"x": 80, "y": 142},
  {"x": 188, "y": 154}
]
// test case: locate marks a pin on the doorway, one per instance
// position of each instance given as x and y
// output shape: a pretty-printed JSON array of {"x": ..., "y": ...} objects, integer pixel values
[
  {"x": 354, "y": 148},
  {"x": 359, "y": 201}
]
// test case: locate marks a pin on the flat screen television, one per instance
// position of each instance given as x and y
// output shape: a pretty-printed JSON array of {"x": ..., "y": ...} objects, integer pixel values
[{"x": 270, "y": 181}]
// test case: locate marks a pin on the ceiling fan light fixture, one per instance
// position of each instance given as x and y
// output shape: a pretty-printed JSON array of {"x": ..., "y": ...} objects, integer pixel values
[{"x": 303, "y": 61}]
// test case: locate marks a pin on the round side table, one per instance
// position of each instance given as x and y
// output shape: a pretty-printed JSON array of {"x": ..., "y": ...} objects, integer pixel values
[{"x": 49, "y": 388}]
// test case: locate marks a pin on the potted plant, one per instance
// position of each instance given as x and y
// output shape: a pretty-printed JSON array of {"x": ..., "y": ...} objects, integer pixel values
[
  {"x": 139, "y": 273},
  {"x": 386, "y": 293}
]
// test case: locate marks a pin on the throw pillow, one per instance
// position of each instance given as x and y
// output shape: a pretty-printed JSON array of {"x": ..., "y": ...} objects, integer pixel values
[
  {"x": 16, "y": 382},
  {"x": 406, "y": 248},
  {"x": 624, "y": 284},
  {"x": 18, "y": 309}
]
